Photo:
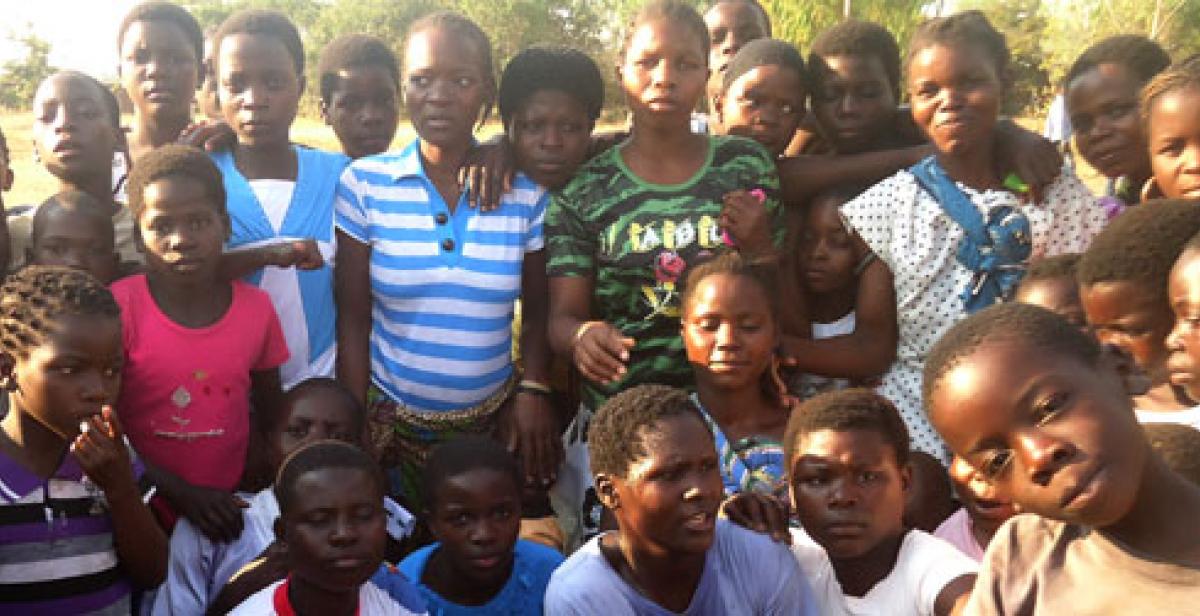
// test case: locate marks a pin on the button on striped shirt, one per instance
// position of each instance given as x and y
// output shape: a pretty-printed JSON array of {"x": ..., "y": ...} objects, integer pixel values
[{"x": 443, "y": 283}]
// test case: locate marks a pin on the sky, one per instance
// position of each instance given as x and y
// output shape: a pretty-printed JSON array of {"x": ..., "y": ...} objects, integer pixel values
[{"x": 82, "y": 33}]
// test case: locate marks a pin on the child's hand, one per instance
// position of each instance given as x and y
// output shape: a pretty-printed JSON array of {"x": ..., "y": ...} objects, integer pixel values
[
  {"x": 600, "y": 352},
  {"x": 529, "y": 429},
  {"x": 488, "y": 173},
  {"x": 761, "y": 513},
  {"x": 217, "y": 513},
  {"x": 747, "y": 222},
  {"x": 210, "y": 135},
  {"x": 1032, "y": 157},
  {"x": 101, "y": 453},
  {"x": 301, "y": 254}
]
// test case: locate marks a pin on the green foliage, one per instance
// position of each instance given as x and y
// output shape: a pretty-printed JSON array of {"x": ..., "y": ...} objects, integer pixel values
[
  {"x": 19, "y": 78},
  {"x": 1024, "y": 26}
]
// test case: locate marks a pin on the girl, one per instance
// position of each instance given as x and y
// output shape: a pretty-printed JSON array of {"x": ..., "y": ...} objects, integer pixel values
[
  {"x": 730, "y": 333},
  {"x": 763, "y": 93},
  {"x": 197, "y": 347},
  {"x": 427, "y": 284},
  {"x": 280, "y": 195},
  {"x": 917, "y": 221},
  {"x": 1172, "y": 124},
  {"x": 360, "y": 93}
]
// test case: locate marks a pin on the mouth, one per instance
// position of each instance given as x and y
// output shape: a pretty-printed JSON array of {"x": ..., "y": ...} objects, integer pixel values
[
  {"x": 994, "y": 509},
  {"x": 487, "y": 562},
  {"x": 1190, "y": 192},
  {"x": 439, "y": 122},
  {"x": 699, "y": 522},
  {"x": 1179, "y": 366},
  {"x": 348, "y": 563},
  {"x": 1083, "y": 491},
  {"x": 373, "y": 142},
  {"x": 67, "y": 148},
  {"x": 160, "y": 95},
  {"x": 663, "y": 103},
  {"x": 845, "y": 530}
]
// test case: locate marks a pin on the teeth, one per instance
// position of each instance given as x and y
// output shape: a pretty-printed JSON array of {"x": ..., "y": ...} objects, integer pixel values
[{"x": 83, "y": 427}]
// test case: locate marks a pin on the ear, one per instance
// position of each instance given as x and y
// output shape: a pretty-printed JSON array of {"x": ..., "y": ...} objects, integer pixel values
[
  {"x": 715, "y": 106},
  {"x": 1150, "y": 190},
  {"x": 323, "y": 109},
  {"x": 303, "y": 82},
  {"x": 1134, "y": 380},
  {"x": 606, "y": 491},
  {"x": 138, "y": 242},
  {"x": 7, "y": 182},
  {"x": 280, "y": 532},
  {"x": 8, "y": 376},
  {"x": 906, "y": 478}
]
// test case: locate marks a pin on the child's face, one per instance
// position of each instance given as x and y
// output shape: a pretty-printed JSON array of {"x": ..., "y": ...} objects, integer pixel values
[
  {"x": 1054, "y": 435},
  {"x": 181, "y": 231},
  {"x": 72, "y": 132},
  {"x": 730, "y": 26},
  {"x": 72, "y": 239},
  {"x": 336, "y": 530},
  {"x": 955, "y": 95},
  {"x": 159, "y": 69},
  {"x": 1103, "y": 106},
  {"x": 984, "y": 506},
  {"x": 848, "y": 490},
  {"x": 363, "y": 110},
  {"x": 854, "y": 103},
  {"x": 1130, "y": 315},
  {"x": 1183, "y": 343},
  {"x": 1058, "y": 295},
  {"x": 476, "y": 516},
  {"x": 1174, "y": 136},
  {"x": 729, "y": 332},
  {"x": 827, "y": 253},
  {"x": 71, "y": 375},
  {"x": 318, "y": 416},
  {"x": 664, "y": 71},
  {"x": 765, "y": 104},
  {"x": 258, "y": 88},
  {"x": 667, "y": 502},
  {"x": 551, "y": 134},
  {"x": 445, "y": 88}
]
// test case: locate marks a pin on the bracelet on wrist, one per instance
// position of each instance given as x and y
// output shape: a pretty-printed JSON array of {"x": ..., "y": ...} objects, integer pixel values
[{"x": 535, "y": 388}]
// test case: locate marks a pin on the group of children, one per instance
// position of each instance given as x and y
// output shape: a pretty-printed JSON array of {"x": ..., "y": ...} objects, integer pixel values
[{"x": 762, "y": 354}]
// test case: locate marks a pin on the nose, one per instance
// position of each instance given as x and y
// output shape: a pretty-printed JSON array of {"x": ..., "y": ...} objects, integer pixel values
[
  {"x": 344, "y": 531},
  {"x": 843, "y": 494},
  {"x": 482, "y": 533},
  {"x": 1174, "y": 341},
  {"x": 726, "y": 335},
  {"x": 1191, "y": 159},
  {"x": 373, "y": 114},
  {"x": 93, "y": 387},
  {"x": 552, "y": 137},
  {"x": 662, "y": 74},
  {"x": 847, "y": 105},
  {"x": 1043, "y": 454},
  {"x": 254, "y": 96}
]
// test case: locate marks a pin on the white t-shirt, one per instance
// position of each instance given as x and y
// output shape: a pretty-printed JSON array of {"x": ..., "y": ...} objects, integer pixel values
[
  {"x": 372, "y": 601},
  {"x": 1188, "y": 417},
  {"x": 815, "y": 383},
  {"x": 814, "y": 562},
  {"x": 745, "y": 573}
]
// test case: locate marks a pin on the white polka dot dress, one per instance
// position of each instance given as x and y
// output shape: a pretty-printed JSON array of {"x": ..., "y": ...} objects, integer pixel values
[{"x": 911, "y": 233}]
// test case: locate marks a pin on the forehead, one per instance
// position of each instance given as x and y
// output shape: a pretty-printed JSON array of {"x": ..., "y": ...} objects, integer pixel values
[
  {"x": 1115, "y": 299},
  {"x": 1108, "y": 78},
  {"x": 94, "y": 335},
  {"x": 678, "y": 437},
  {"x": 74, "y": 88},
  {"x": 553, "y": 101},
  {"x": 852, "y": 67},
  {"x": 781, "y": 80},
  {"x": 1178, "y": 104},
  {"x": 72, "y": 221},
  {"x": 321, "y": 404},
  {"x": 156, "y": 33},
  {"x": 335, "y": 487},
  {"x": 177, "y": 192},
  {"x": 947, "y": 59},
  {"x": 247, "y": 51},
  {"x": 724, "y": 289},
  {"x": 666, "y": 37},
  {"x": 1186, "y": 272},
  {"x": 365, "y": 78},
  {"x": 442, "y": 47},
  {"x": 850, "y": 446},
  {"x": 733, "y": 15},
  {"x": 480, "y": 483}
]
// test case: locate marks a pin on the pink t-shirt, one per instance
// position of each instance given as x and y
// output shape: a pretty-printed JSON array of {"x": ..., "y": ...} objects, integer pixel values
[
  {"x": 957, "y": 531},
  {"x": 185, "y": 392}
]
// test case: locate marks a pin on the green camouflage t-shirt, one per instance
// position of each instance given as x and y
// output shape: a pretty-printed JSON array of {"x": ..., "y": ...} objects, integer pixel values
[{"x": 638, "y": 240}]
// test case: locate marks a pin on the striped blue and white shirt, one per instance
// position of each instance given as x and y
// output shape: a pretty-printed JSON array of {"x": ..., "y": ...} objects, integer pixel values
[{"x": 443, "y": 283}]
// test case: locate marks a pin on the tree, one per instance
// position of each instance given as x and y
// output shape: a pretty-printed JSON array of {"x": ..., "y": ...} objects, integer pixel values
[
  {"x": 20, "y": 78},
  {"x": 1024, "y": 27}
]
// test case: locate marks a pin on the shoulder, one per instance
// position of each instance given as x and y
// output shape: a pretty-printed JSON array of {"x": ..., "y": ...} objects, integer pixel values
[
  {"x": 593, "y": 175},
  {"x": 251, "y": 296},
  {"x": 751, "y": 554},
  {"x": 585, "y": 574},
  {"x": 128, "y": 287},
  {"x": 259, "y": 603},
  {"x": 525, "y": 192},
  {"x": 922, "y": 555},
  {"x": 390, "y": 588},
  {"x": 739, "y": 153},
  {"x": 330, "y": 160},
  {"x": 536, "y": 557},
  {"x": 413, "y": 565}
]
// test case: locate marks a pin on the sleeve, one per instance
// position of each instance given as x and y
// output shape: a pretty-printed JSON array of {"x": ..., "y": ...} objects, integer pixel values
[
  {"x": 569, "y": 240},
  {"x": 1076, "y": 215},
  {"x": 535, "y": 240},
  {"x": 1004, "y": 586},
  {"x": 275, "y": 350},
  {"x": 789, "y": 591},
  {"x": 349, "y": 211},
  {"x": 939, "y": 563},
  {"x": 186, "y": 589},
  {"x": 400, "y": 588},
  {"x": 872, "y": 213}
]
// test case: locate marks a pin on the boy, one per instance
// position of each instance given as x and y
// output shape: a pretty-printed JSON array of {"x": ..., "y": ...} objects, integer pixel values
[
  {"x": 971, "y": 528},
  {"x": 1039, "y": 409},
  {"x": 731, "y": 24},
  {"x": 656, "y": 469},
  {"x": 72, "y": 229},
  {"x": 1123, "y": 278},
  {"x": 332, "y": 527},
  {"x": 473, "y": 500},
  {"x": 360, "y": 86},
  {"x": 1183, "y": 343},
  {"x": 1050, "y": 283},
  {"x": 315, "y": 410},
  {"x": 76, "y": 535},
  {"x": 848, "y": 460}
]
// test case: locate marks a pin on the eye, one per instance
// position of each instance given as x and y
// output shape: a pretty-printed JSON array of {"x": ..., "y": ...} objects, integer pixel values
[
  {"x": 868, "y": 476},
  {"x": 465, "y": 82},
  {"x": 299, "y": 431},
  {"x": 67, "y": 370},
  {"x": 112, "y": 371},
  {"x": 419, "y": 81},
  {"x": 1047, "y": 408},
  {"x": 995, "y": 463}
]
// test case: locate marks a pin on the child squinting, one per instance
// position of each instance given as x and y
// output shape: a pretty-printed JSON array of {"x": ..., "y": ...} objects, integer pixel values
[{"x": 73, "y": 229}]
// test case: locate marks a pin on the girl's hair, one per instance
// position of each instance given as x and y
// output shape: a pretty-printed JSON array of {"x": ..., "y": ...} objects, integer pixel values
[
  {"x": 1184, "y": 75},
  {"x": 467, "y": 30},
  {"x": 176, "y": 160},
  {"x": 463, "y": 455},
  {"x": 319, "y": 456},
  {"x": 765, "y": 52},
  {"x": 968, "y": 29},
  {"x": 261, "y": 22},
  {"x": 354, "y": 51},
  {"x": 674, "y": 11},
  {"x": 1142, "y": 57},
  {"x": 863, "y": 39},
  {"x": 38, "y": 297},
  {"x": 166, "y": 13},
  {"x": 733, "y": 264},
  {"x": 545, "y": 67}
]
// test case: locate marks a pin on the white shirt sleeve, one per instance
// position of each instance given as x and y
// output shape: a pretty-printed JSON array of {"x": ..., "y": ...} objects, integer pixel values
[{"x": 929, "y": 564}]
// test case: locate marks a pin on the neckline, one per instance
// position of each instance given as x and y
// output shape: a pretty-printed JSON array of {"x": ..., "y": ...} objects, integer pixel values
[{"x": 710, "y": 143}]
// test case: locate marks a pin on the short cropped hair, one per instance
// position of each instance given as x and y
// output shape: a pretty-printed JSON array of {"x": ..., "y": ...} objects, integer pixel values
[
  {"x": 755, "y": 4},
  {"x": 317, "y": 456},
  {"x": 732, "y": 263},
  {"x": 38, "y": 297},
  {"x": 169, "y": 13},
  {"x": 75, "y": 201},
  {"x": 261, "y": 22},
  {"x": 1141, "y": 245},
  {"x": 1142, "y": 57},
  {"x": 466, "y": 29},
  {"x": 765, "y": 52},
  {"x": 616, "y": 438},
  {"x": 176, "y": 160},
  {"x": 462, "y": 455},
  {"x": 672, "y": 11},
  {"x": 860, "y": 39},
  {"x": 848, "y": 409},
  {"x": 1184, "y": 75},
  {"x": 1179, "y": 447},
  {"x": 354, "y": 51},
  {"x": 1053, "y": 268},
  {"x": 968, "y": 28},
  {"x": 315, "y": 384},
  {"x": 547, "y": 67},
  {"x": 1011, "y": 322}
]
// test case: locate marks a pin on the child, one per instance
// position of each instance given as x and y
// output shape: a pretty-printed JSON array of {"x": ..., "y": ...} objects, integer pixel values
[
  {"x": 280, "y": 195},
  {"x": 360, "y": 93},
  {"x": 1101, "y": 93},
  {"x": 1172, "y": 126},
  {"x": 77, "y": 536},
  {"x": 196, "y": 345},
  {"x": 971, "y": 528},
  {"x": 549, "y": 101},
  {"x": 847, "y": 455},
  {"x": 656, "y": 469},
  {"x": 930, "y": 498},
  {"x": 478, "y": 566},
  {"x": 160, "y": 46},
  {"x": 1051, "y": 284},
  {"x": 315, "y": 410},
  {"x": 72, "y": 229},
  {"x": 730, "y": 333},
  {"x": 426, "y": 284},
  {"x": 1038, "y": 408},
  {"x": 333, "y": 529},
  {"x": 731, "y": 25},
  {"x": 1123, "y": 282},
  {"x": 762, "y": 94},
  {"x": 916, "y": 221},
  {"x": 1179, "y": 447},
  {"x": 1183, "y": 343}
]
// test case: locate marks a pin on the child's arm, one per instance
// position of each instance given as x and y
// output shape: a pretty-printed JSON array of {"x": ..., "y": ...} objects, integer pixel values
[
  {"x": 871, "y": 348},
  {"x": 597, "y": 349},
  {"x": 301, "y": 254},
  {"x": 266, "y": 394},
  {"x": 488, "y": 173},
  {"x": 217, "y": 513},
  {"x": 140, "y": 544},
  {"x": 1031, "y": 156},
  {"x": 268, "y": 568},
  {"x": 801, "y": 177},
  {"x": 954, "y": 595},
  {"x": 352, "y": 290}
]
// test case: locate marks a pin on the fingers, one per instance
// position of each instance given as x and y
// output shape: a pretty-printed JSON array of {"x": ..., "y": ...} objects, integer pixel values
[
  {"x": 115, "y": 431},
  {"x": 601, "y": 353}
]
